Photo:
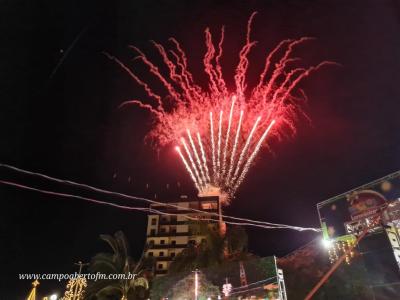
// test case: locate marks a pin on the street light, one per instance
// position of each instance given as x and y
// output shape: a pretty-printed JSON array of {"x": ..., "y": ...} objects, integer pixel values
[
  {"x": 326, "y": 243},
  {"x": 226, "y": 288},
  {"x": 53, "y": 297}
]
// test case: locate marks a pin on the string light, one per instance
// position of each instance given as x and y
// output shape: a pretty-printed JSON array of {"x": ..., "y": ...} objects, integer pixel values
[
  {"x": 75, "y": 289},
  {"x": 340, "y": 247}
]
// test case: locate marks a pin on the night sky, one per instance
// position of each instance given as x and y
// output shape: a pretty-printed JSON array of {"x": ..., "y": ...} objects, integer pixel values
[{"x": 64, "y": 121}]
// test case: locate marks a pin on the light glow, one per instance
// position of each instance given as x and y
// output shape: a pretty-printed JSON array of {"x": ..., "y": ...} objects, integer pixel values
[{"x": 327, "y": 244}]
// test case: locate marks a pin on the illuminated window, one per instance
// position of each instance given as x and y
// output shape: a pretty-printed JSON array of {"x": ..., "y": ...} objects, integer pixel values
[{"x": 209, "y": 205}]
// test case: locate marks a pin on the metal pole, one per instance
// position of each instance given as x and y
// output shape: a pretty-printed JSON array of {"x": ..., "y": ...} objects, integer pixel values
[
  {"x": 196, "y": 285},
  {"x": 335, "y": 266},
  {"x": 76, "y": 285}
]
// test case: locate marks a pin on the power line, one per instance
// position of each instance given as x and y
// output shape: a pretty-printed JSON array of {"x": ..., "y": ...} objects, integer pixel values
[
  {"x": 253, "y": 283},
  {"x": 252, "y": 289},
  {"x": 125, "y": 207},
  {"x": 299, "y": 249},
  {"x": 99, "y": 190},
  {"x": 29, "y": 188}
]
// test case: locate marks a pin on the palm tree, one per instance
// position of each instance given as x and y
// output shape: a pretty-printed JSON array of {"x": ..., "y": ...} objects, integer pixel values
[
  {"x": 117, "y": 262},
  {"x": 213, "y": 250}
]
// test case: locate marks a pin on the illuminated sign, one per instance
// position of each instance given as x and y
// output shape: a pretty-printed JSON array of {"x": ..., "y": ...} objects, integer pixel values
[{"x": 364, "y": 203}]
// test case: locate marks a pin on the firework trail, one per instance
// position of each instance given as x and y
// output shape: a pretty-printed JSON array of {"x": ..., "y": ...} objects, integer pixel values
[
  {"x": 245, "y": 148},
  {"x": 212, "y": 145},
  {"x": 219, "y": 143},
  {"x": 203, "y": 157},
  {"x": 198, "y": 178},
  {"x": 225, "y": 150},
  {"x": 234, "y": 148},
  {"x": 188, "y": 167},
  {"x": 227, "y": 136},
  {"x": 253, "y": 155},
  {"x": 196, "y": 154}
]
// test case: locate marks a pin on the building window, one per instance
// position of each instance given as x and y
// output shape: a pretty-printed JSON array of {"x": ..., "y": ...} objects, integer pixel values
[
  {"x": 160, "y": 266},
  {"x": 209, "y": 205},
  {"x": 173, "y": 230},
  {"x": 153, "y": 221},
  {"x": 162, "y": 242},
  {"x": 161, "y": 253},
  {"x": 152, "y": 232},
  {"x": 162, "y": 230},
  {"x": 172, "y": 254},
  {"x": 173, "y": 243},
  {"x": 151, "y": 254},
  {"x": 173, "y": 218}
]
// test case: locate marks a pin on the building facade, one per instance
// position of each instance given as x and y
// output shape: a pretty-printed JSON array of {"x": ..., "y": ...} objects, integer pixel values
[{"x": 170, "y": 228}]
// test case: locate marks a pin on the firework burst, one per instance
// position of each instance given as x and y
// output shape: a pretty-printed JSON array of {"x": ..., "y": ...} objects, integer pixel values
[{"x": 219, "y": 132}]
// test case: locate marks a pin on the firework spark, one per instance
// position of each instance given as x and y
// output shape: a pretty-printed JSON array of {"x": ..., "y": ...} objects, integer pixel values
[
  {"x": 203, "y": 157},
  {"x": 233, "y": 153},
  {"x": 228, "y": 136},
  {"x": 187, "y": 167},
  {"x": 229, "y": 142}
]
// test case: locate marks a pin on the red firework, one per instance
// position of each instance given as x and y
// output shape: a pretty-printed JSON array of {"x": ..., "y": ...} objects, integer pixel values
[{"x": 218, "y": 132}]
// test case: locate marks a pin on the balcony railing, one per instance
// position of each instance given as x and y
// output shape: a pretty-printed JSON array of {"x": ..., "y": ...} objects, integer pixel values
[
  {"x": 172, "y": 222},
  {"x": 166, "y": 246},
  {"x": 168, "y": 234},
  {"x": 186, "y": 211}
]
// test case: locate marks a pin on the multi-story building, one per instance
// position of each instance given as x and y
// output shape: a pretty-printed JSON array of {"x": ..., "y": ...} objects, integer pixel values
[{"x": 171, "y": 230}]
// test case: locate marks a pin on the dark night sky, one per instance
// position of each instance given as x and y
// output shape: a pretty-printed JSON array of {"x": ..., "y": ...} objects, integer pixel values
[{"x": 69, "y": 126}]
